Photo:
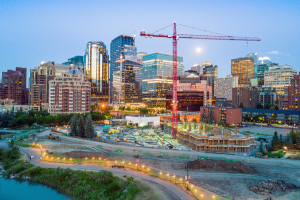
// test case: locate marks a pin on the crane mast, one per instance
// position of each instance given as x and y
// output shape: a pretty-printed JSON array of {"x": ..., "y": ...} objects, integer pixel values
[{"x": 175, "y": 37}]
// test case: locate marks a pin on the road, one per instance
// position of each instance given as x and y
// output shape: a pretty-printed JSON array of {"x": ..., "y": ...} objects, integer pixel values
[{"x": 181, "y": 194}]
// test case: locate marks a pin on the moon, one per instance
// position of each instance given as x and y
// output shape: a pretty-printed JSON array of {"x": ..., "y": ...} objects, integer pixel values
[{"x": 198, "y": 50}]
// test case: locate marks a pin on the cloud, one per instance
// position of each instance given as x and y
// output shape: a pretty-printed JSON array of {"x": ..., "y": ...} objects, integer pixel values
[
  {"x": 273, "y": 52},
  {"x": 278, "y": 53}
]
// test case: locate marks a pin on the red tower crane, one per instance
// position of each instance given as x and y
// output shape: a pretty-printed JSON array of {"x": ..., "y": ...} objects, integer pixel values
[{"x": 175, "y": 37}]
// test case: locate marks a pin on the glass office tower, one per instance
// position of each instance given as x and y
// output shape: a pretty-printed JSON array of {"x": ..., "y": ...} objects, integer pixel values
[
  {"x": 157, "y": 76},
  {"x": 210, "y": 70},
  {"x": 127, "y": 87},
  {"x": 243, "y": 68},
  {"x": 96, "y": 67},
  {"x": 77, "y": 62},
  {"x": 124, "y": 45}
]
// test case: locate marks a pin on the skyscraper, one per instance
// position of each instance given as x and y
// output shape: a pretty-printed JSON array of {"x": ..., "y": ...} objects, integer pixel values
[
  {"x": 158, "y": 78},
  {"x": 223, "y": 86},
  {"x": 96, "y": 67},
  {"x": 279, "y": 77},
  {"x": 39, "y": 85},
  {"x": 122, "y": 45},
  {"x": 127, "y": 87},
  {"x": 243, "y": 68},
  {"x": 140, "y": 57},
  {"x": 209, "y": 70},
  {"x": 77, "y": 62}
]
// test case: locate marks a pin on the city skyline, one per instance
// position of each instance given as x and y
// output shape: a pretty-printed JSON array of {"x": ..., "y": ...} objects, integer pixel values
[{"x": 52, "y": 39}]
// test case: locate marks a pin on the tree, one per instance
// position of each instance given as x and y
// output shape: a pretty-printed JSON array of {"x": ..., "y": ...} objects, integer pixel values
[
  {"x": 261, "y": 148},
  {"x": 281, "y": 140},
  {"x": 241, "y": 105},
  {"x": 288, "y": 142},
  {"x": 211, "y": 116},
  {"x": 293, "y": 135},
  {"x": 30, "y": 121},
  {"x": 89, "y": 128},
  {"x": 81, "y": 126},
  {"x": 74, "y": 122},
  {"x": 11, "y": 143},
  {"x": 298, "y": 141},
  {"x": 275, "y": 143}
]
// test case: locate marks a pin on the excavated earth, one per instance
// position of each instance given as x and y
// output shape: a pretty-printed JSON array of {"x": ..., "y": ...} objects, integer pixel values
[
  {"x": 220, "y": 165},
  {"x": 272, "y": 186}
]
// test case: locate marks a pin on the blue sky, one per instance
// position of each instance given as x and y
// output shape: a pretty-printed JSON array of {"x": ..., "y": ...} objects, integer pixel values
[{"x": 32, "y": 31}]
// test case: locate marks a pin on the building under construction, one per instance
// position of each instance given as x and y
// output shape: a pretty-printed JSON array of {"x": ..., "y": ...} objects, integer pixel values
[{"x": 202, "y": 137}]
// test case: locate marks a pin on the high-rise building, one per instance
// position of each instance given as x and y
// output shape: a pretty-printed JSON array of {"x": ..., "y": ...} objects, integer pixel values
[
  {"x": 39, "y": 85},
  {"x": 193, "y": 91},
  {"x": 96, "y": 67},
  {"x": 243, "y": 68},
  {"x": 122, "y": 45},
  {"x": 70, "y": 93},
  {"x": 267, "y": 97},
  {"x": 263, "y": 65},
  {"x": 198, "y": 68},
  {"x": 61, "y": 69},
  {"x": 140, "y": 57},
  {"x": 77, "y": 62},
  {"x": 129, "y": 89},
  {"x": 279, "y": 77},
  {"x": 158, "y": 78},
  {"x": 290, "y": 99},
  {"x": 245, "y": 97},
  {"x": 209, "y": 70},
  {"x": 14, "y": 86},
  {"x": 223, "y": 86}
]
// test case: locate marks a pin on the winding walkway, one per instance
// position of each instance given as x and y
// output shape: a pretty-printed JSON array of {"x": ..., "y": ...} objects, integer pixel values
[{"x": 181, "y": 194}]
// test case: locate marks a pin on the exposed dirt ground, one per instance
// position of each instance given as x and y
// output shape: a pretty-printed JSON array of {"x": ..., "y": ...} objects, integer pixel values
[
  {"x": 222, "y": 166},
  {"x": 220, "y": 177}
]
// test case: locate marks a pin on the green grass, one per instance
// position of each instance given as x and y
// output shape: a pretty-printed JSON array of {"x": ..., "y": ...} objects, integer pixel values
[
  {"x": 275, "y": 154},
  {"x": 99, "y": 146},
  {"x": 76, "y": 184},
  {"x": 118, "y": 150}
]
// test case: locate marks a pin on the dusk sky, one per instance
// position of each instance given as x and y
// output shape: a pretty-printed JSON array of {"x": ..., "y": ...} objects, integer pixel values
[{"x": 32, "y": 31}]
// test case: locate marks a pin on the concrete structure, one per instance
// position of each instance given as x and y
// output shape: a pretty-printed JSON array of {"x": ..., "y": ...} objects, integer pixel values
[
  {"x": 14, "y": 86},
  {"x": 279, "y": 77},
  {"x": 97, "y": 68},
  {"x": 39, "y": 85},
  {"x": 157, "y": 74},
  {"x": 229, "y": 115},
  {"x": 290, "y": 100},
  {"x": 267, "y": 96},
  {"x": 143, "y": 120},
  {"x": 127, "y": 87},
  {"x": 275, "y": 116},
  {"x": 15, "y": 108},
  {"x": 206, "y": 138},
  {"x": 223, "y": 86},
  {"x": 243, "y": 68},
  {"x": 7, "y": 102},
  {"x": 197, "y": 68},
  {"x": 61, "y": 69},
  {"x": 70, "y": 93},
  {"x": 193, "y": 91},
  {"x": 245, "y": 97}
]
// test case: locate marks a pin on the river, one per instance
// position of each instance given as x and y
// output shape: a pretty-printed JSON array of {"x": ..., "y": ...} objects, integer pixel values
[{"x": 11, "y": 189}]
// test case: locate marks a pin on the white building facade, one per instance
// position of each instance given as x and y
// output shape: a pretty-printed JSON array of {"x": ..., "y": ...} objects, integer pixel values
[{"x": 223, "y": 86}]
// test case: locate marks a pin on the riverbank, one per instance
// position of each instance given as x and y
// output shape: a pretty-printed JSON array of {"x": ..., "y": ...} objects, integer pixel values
[{"x": 76, "y": 184}]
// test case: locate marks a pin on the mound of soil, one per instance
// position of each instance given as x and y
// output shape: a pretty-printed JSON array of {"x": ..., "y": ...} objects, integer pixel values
[
  {"x": 270, "y": 186},
  {"x": 221, "y": 165},
  {"x": 83, "y": 154}
]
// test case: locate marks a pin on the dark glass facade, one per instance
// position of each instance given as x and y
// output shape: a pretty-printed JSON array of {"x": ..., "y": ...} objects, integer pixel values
[
  {"x": 243, "y": 68},
  {"x": 131, "y": 84},
  {"x": 77, "y": 62},
  {"x": 124, "y": 45},
  {"x": 158, "y": 78},
  {"x": 96, "y": 67}
]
